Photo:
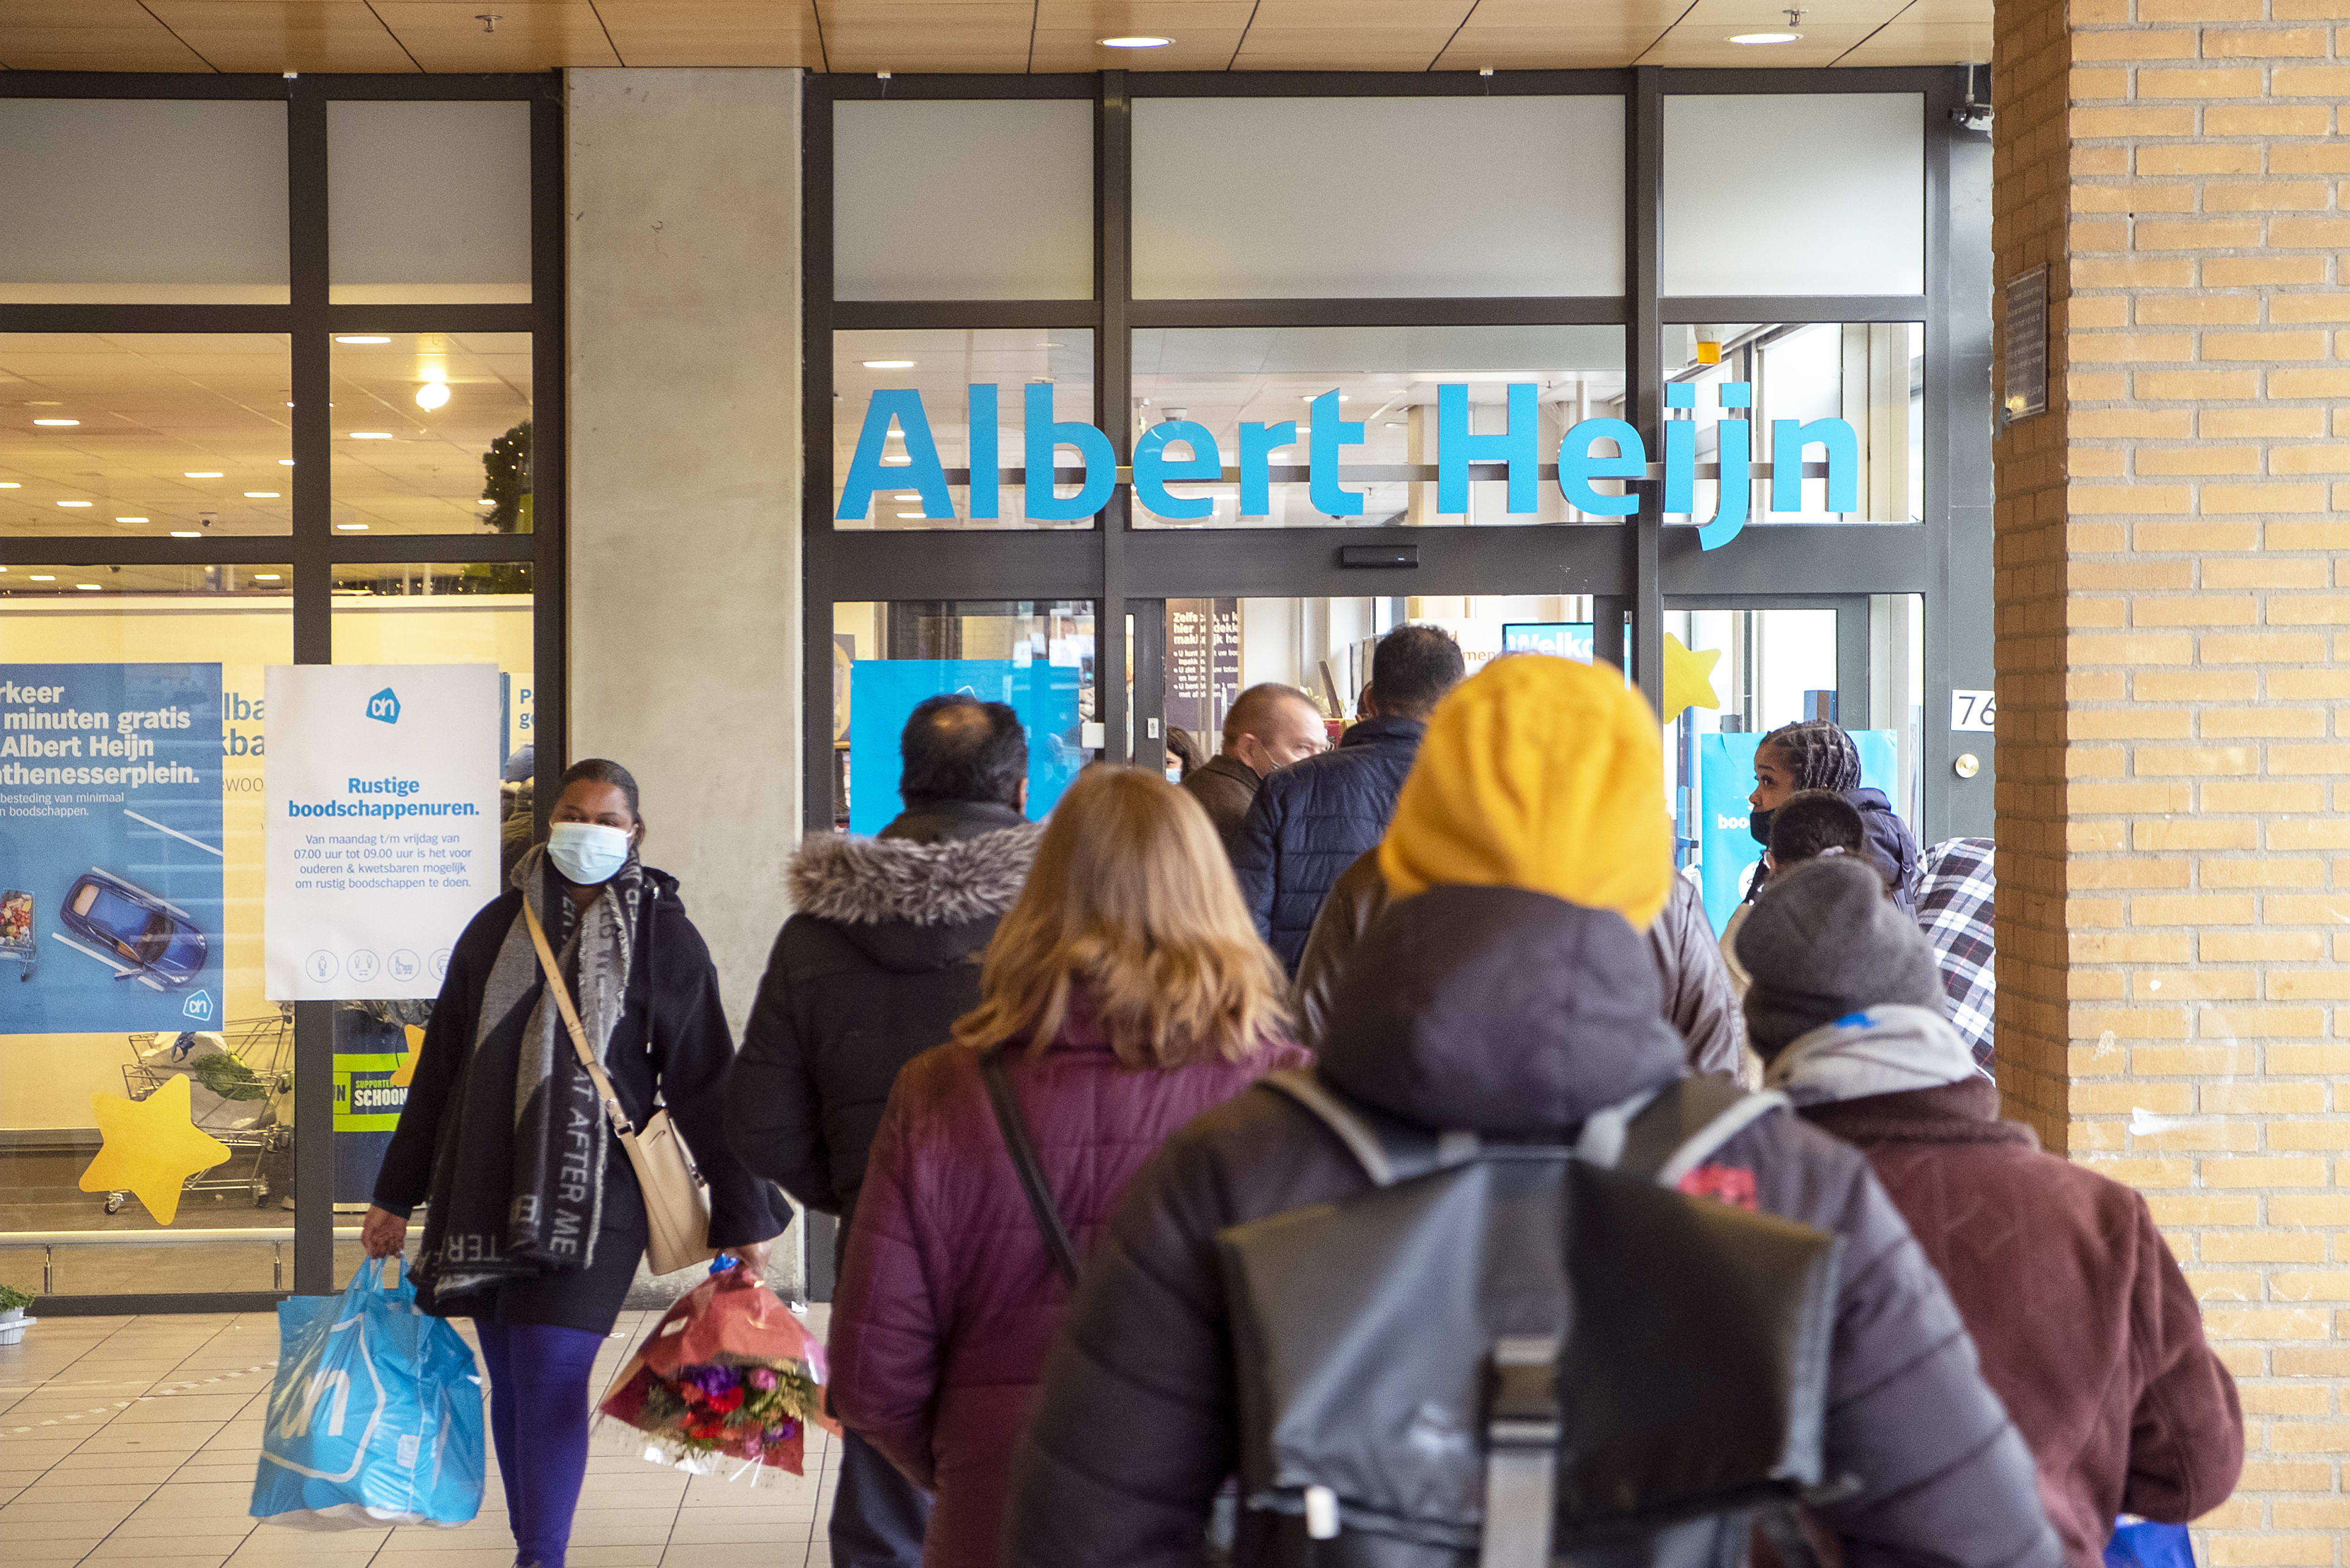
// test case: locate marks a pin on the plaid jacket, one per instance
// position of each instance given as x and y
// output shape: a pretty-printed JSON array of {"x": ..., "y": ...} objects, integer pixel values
[{"x": 1955, "y": 885}]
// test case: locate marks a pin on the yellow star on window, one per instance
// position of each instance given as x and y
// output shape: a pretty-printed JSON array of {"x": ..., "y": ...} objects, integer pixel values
[
  {"x": 1689, "y": 678},
  {"x": 152, "y": 1147},
  {"x": 405, "y": 1073}
]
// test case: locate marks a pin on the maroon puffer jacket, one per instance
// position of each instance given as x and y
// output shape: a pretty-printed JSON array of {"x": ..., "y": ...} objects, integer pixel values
[{"x": 948, "y": 1299}]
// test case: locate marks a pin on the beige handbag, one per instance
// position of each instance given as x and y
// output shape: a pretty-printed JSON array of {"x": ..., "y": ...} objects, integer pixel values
[{"x": 677, "y": 1209}]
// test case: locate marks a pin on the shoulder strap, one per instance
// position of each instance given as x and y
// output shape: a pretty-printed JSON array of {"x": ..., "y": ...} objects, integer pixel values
[
  {"x": 1058, "y": 1244},
  {"x": 1388, "y": 1150},
  {"x": 1686, "y": 1122},
  {"x": 562, "y": 995}
]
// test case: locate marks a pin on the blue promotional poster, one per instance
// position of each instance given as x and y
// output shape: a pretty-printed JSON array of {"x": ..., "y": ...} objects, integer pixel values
[
  {"x": 883, "y": 692},
  {"x": 1559, "y": 639},
  {"x": 111, "y": 911},
  {"x": 1727, "y": 852}
]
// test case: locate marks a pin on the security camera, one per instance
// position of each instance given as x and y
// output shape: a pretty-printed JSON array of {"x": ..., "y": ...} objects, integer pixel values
[{"x": 1975, "y": 116}]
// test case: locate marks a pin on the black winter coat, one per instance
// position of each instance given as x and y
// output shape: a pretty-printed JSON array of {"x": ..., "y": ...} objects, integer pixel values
[
  {"x": 1515, "y": 1015},
  {"x": 672, "y": 1040},
  {"x": 1890, "y": 845},
  {"x": 1310, "y": 821},
  {"x": 878, "y": 960}
]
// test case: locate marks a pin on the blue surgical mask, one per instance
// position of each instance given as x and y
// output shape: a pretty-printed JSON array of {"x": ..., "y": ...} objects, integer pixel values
[{"x": 588, "y": 853}]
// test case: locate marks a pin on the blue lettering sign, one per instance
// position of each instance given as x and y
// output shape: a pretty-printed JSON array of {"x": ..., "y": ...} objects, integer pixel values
[{"x": 1519, "y": 446}]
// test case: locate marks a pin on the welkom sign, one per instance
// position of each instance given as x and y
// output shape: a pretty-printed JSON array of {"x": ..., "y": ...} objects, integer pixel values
[{"x": 1580, "y": 465}]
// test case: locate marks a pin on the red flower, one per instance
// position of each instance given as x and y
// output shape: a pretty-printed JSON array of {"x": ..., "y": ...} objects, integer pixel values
[
  {"x": 730, "y": 1400},
  {"x": 691, "y": 1393}
]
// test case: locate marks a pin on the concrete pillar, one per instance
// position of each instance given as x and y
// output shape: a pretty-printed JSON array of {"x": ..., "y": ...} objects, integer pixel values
[
  {"x": 685, "y": 302},
  {"x": 2174, "y": 749}
]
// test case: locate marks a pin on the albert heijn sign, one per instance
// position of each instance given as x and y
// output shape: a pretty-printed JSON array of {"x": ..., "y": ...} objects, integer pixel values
[{"x": 1156, "y": 466}]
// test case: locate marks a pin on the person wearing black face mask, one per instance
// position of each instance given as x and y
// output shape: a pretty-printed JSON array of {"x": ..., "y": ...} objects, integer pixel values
[
  {"x": 1820, "y": 754},
  {"x": 535, "y": 1222}
]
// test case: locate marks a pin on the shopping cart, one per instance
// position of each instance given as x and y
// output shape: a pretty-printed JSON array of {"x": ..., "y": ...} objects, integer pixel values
[
  {"x": 241, "y": 1082},
  {"x": 18, "y": 945}
]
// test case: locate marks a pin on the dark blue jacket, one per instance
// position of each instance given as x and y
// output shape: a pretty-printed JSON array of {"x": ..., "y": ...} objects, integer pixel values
[{"x": 1311, "y": 819}]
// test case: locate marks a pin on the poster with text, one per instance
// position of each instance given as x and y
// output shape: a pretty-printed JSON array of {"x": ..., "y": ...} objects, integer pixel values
[
  {"x": 381, "y": 786},
  {"x": 885, "y": 691},
  {"x": 110, "y": 908}
]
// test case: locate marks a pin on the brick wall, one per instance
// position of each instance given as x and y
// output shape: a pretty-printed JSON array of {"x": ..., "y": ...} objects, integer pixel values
[{"x": 2179, "y": 804}]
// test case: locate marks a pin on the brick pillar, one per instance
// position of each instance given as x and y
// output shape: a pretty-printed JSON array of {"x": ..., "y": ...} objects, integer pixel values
[{"x": 2172, "y": 905}]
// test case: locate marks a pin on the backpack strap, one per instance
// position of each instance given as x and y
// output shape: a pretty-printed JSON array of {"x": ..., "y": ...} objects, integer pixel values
[
  {"x": 1522, "y": 1425},
  {"x": 1022, "y": 1149},
  {"x": 1388, "y": 1150},
  {"x": 1681, "y": 1125}
]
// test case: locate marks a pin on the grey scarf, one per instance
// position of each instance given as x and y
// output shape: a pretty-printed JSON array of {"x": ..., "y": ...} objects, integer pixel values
[
  {"x": 1885, "y": 1050},
  {"x": 518, "y": 1180}
]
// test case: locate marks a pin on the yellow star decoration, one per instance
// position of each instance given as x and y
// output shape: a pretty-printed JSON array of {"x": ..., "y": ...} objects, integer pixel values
[
  {"x": 152, "y": 1147},
  {"x": 406, "y": 1073},
  {"x": 1689, "y": 678}
]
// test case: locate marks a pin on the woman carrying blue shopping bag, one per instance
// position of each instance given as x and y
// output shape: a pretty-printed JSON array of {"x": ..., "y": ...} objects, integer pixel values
[{"x": 535, "y": 1218}]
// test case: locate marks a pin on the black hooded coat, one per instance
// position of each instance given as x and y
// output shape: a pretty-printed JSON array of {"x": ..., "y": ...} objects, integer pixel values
[{"x": 1513, "y": 1014}]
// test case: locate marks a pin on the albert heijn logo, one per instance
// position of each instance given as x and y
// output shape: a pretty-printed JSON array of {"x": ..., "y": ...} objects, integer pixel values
[{"x": 384, "y": 706}]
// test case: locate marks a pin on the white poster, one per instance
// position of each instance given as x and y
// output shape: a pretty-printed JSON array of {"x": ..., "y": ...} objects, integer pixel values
[{"x": 381, "y": 783}]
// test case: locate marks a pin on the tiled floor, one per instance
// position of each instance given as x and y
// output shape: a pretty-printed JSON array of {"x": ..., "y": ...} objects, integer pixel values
[{"x": 134, "y": 1441}]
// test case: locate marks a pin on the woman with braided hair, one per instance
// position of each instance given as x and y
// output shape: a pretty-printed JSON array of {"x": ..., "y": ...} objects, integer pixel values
[{"x": 1819, "y": 754}]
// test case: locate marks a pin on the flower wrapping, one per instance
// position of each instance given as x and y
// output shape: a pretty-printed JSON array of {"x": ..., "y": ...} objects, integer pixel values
[{"x": 729, "y": 1374}]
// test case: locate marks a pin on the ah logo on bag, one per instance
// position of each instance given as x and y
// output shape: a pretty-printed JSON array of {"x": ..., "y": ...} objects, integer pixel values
[{"x": 296, "y": 1404}]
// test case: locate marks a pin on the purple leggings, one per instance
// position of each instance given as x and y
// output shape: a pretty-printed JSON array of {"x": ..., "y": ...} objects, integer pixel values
[{"x": 538, "y": 1417}]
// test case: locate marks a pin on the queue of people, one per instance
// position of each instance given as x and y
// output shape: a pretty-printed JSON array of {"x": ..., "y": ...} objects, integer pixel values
[{"x": 1071, "y": 1107}]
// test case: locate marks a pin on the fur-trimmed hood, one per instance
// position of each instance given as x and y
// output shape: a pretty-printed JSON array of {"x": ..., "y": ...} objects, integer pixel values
[{"x": 945, "y": 882}]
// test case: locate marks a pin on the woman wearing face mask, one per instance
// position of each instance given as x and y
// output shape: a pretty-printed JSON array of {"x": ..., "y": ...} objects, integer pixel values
[{"x": 533, "y": 1229}]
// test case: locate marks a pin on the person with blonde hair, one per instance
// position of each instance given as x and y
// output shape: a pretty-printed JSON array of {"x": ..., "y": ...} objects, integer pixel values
[{"x": 1125, "y": 993}]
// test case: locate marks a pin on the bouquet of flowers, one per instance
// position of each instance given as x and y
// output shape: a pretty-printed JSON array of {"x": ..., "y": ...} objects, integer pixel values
[{"x": 727, "y": 1374}]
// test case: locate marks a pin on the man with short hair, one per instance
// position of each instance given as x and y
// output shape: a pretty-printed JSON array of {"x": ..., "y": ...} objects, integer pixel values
[
  {"x": 1312, "y": 819},
  {"x": 1270, "y": 726},
  {"x": 879, "y": 958}
]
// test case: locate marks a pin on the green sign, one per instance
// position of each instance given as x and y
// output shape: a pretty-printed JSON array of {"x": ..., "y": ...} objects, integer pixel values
[{"x": 366, "y": 1099}]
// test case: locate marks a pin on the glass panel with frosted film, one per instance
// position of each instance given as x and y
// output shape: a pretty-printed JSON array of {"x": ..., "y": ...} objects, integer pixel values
[
  {"x": 1387, "y": 380},
  {"x": 424, "y": 613},
  {"x": 1036, "y": 654},
  {"x": 1871, "y": 375},
  {"x": 1350, "y": 198},
  {"x": 943, "y": 366},
  {"x": 130, "y": 911},
  {"x": 964, "y": 199},
  {"x": 145, "y": 434},
  {"x": 432, "y": 432},
  {"x": 1795, "y": 193},
  {"x": 131, "y": 202},
  {"x": 428, "y": 203}
]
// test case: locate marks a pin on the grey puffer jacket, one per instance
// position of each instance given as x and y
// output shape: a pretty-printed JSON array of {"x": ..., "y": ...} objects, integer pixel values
[
  {"x": 1699, "y": 999},
  {"x": 881, "y": 958},
  {"x": 1514, "y": 1014}
]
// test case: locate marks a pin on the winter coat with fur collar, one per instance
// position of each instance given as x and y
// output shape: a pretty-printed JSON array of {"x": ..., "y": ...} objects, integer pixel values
[{"x": 881, "y": 958}]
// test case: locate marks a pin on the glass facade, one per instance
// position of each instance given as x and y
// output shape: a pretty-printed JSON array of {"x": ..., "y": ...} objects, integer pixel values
[{"x": 203, "y": 446}]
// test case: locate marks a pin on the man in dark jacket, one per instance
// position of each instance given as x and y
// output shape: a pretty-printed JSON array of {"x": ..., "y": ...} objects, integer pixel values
[
  {"x": 1507, "y": 992},
  {"x": 1311, "y": 819},
  {"x": 1270, "y": 726},
  {"x": 2087, "y": 1330},
  {"x": 881, "y": 958}
]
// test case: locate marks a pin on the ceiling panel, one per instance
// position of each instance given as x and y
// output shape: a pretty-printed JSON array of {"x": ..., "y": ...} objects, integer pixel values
[
  {"x": 285, "y": 35},
  {"x": 89, "y": 35},
  {"x": 981, "y": 35},
  {"x": 449, "y": 36},
  {"x": 665, "y": 33}
]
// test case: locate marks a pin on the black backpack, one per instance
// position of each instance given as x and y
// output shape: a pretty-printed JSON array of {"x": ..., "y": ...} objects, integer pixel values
[{"x": 1518, "y": 1355}]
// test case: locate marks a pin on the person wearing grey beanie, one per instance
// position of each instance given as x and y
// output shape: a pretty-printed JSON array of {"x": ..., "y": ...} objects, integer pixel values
[{"x": 2102, "y": 1363}]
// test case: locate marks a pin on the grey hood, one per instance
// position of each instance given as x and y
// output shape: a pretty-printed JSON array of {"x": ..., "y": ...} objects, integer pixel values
[{"x": 882, "y": 881}]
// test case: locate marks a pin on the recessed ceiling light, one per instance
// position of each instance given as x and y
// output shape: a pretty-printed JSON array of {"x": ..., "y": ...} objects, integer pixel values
[
  {"x": 10, "y": 484},
  {"x": 432, "y": 395},
  {"x": 87, "y": 588},
  {"x": 359, "y": 337},
  {"x": 285, "y": 463},
  {"x": 352, "y": 527},
  {"x": 1765, "y": 37},
  {"x": 134, "y": 519},
  {"x": 370, "y": 435},
  {"x": 43, "y": 577},
  {"x": 913, "y": 515},
  {"x": 264, "y": 576},
  {"x": 202, "y": 473},
  {"x": 1134, "y": 43},
  {"x": 485, "y": 501},
  {"x": 73, "y": 503},
  {"x": 261, "y": 495},
  {"x": 907, "y": 495},
  {"x": 185, "y": 533},
  {"x": 57, "y": 421},
  {"x": 888, "y": 364}
]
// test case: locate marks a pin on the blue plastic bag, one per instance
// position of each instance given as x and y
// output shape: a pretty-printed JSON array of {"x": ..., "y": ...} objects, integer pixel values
[
  {"x": 2143, "y": 1544},
  {"x": 375, "y": 1416}
]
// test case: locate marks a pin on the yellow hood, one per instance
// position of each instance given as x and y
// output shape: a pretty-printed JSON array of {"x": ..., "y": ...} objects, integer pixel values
[{"x": 1541, "y": 774}]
